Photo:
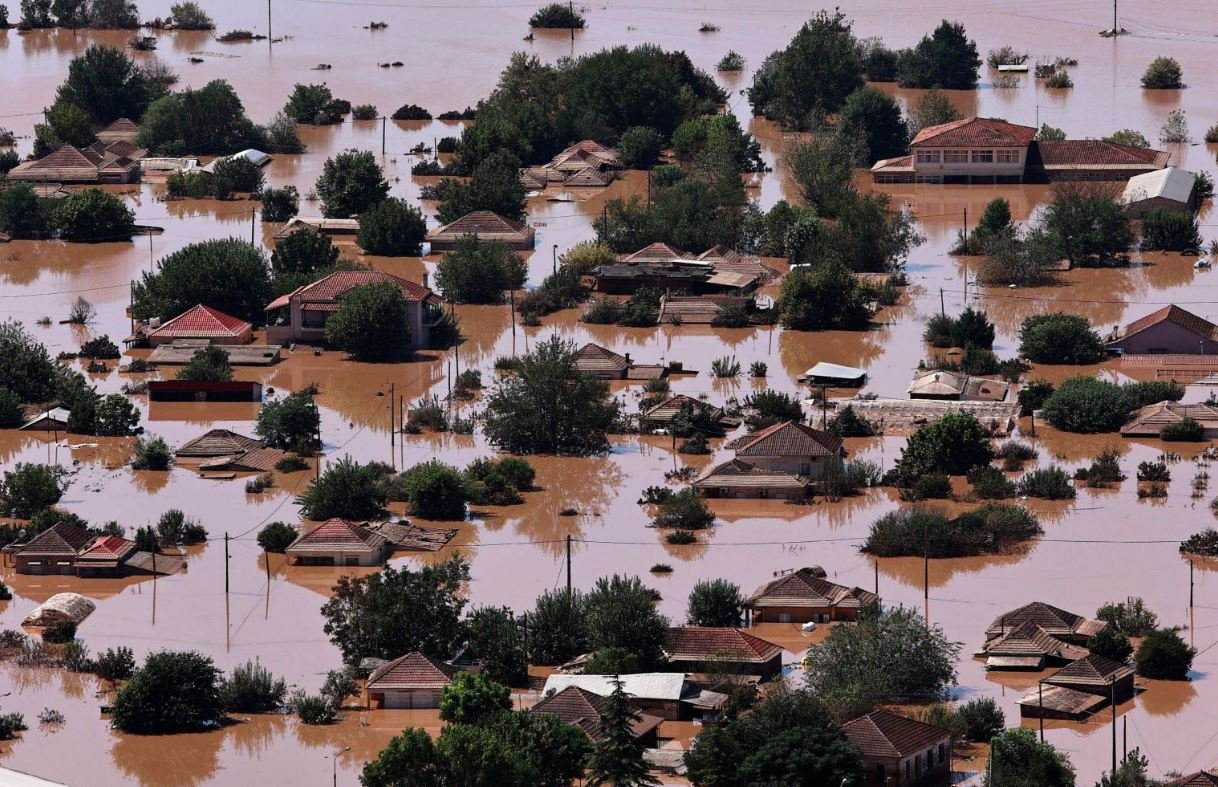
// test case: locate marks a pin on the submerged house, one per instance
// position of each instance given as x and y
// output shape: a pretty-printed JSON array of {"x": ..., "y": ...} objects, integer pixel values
[
  {"x": 114, "y": 162},
  {"x": 948, "y": 386},
  {"x": 1029, "y": 647},
  {"x": 782, "y": 461},
  {"x": 598, "y": 361},
  {"x": 988, "y": 150},
  {"x": 410, "y": 681},
  {"x": 67, "y": 550},
  {"x": 54, "y": 550},
  {"x": 121, "y": 130},
  {"x": 1079, "y": 689},
  {"x": 483, "y": 225},
  {"x": 582, "y": 708},
  {"x": 660, "y": 266},
  {"x": 199, "y": 323},
  {"x": 301, "y": 315},
  {"x": 338, "y": 542},
  {"x": 667, "y": 695},
  {"x": 52, "y": 419},
  {"x": 331, "y": 228},
  {"x": 1170, "y": 188},
  {"x": 1166, "y": 331},
  {"x": 1065, "y": 626},
  {"x": 805, "y": 596},
  {"x": 898, "y": 751},
  {"x": 721, "y": 649},
  {"x": 216, "y": 443},
  {"x": 584, "y": 164},
  {"x": 661, "y": 416},
  {"x": 1149, "y": 421}
]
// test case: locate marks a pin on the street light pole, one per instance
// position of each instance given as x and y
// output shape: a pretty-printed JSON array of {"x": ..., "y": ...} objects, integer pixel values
[{"x": 335, "y": 763}]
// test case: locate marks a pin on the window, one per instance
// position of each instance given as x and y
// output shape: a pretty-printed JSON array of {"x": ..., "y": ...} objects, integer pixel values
[
  {"x": 928, "y": 156},
  {"x": 955, "y": 156},
  {"x": 942, "y": 752},
  {"x": 1008, "y": 157},
  {"x": 763, "y": 493},
  {"x": 879, "y": 772},
  {"x": 930, "y": 758},
  {"x": 312, "y": 319},
  {"x": 983, "y": 156}
]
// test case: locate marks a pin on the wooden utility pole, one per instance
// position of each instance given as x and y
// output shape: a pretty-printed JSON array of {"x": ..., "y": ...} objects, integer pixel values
[
  {"x": 392, "y": 399},
  {"x": 382, "y": 135},
  {"x": 568, "y": 565},
  {"x": 1190, "y": 583},
  {"x": 226, "y": 563},
  {"x": 1115, "y": 33},
  {"x": 942, "y": 308},
  {"x": 266, "y": 559},
  {"x": 1112, "y": 702},
  {"x": 877, "y": 576},
  {"x": 251, "y": 227},
  {"x": 1040, "y": 699},
  {"x": 512, "y": 312},
  {"x": 269, "y": 37}
]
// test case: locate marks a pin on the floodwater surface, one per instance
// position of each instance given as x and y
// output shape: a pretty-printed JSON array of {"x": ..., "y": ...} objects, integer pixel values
[{"x": 1102, "y": 547}]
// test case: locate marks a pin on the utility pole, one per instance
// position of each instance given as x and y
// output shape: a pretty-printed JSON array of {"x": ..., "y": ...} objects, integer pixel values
[
  {"x": 1190, "y": 584},
  {"x": 877, "y": 576},
  {"x": 554, "y": 259},
  {"x": 1112, "y": 702},
  {"x": 251, "y": 227},
  {"x": 1124, "y": 737},
  {"x": 512, "y": 312},
  {"x": 382, "y": 135},
  {"x": 151, "y": 262},
  {"x": 1040, "y": 699},
  {"x": 392, "y": 399},
  {"x": 266, "y": 559},
  {"x": 568, "y": 565},
  {"x": 1115, "y": 33},
  {"x": 966, "y": 227},
  {"x": 942, "y": 308},
  {"x": 226, "y": 563},
  {"x": 269, "y": 37}
]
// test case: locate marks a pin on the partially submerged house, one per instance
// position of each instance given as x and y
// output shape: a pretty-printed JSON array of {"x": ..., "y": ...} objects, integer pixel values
[
  {"x": 331, "y": 228},
  {"x": 598, "y": 361},
  {"x": 698, "y": 309},
  {"x": 255, "y": 157},
  {"x": 898, "y": 751},
  {"x": 806, "y": 596},
  {"x": 1079, "y": 689},
  {"x": 1166, "y": 331},
  {"x": 1149, "y": 421},
  {"x": 582, "y": 708},
  {"x": 661, "y": 415},
  {"x": 338, "y": 542},
  {"x": 217, "y": 442},
  {"x": 1029, "y": 647},
  {"x": 896, "y": 415},
  {"x": 204, "y": 391},
  {"x": 1056, "y": 622},
  {"x": 1170, "y": 188},
  {"x": 834, "y": 375},
  {"x": 52, "y": 419},
  {"x": 121, "y": 130},
  {"x": 198, "y": 323},
  {"x": 791, "y": 447},
  {"x": 410, "y": 681},
  {"x": 301, "y": 315},
  {"x": 483, "y": 225},
  {"x": 67, "y": 550},
  {"x": 721, "y": 649},
  {"x": 949, "y": 386},
  {"x": 115, "y": 162},
  {"x": 668, "y": 695},
  {"x": 989, "y": 150},
  {"x": 54, "y": 550},
  {"x": 584, "y": 164},
  {"x": 1198, "y": 779},
  {"x": 662, "y": 267}
]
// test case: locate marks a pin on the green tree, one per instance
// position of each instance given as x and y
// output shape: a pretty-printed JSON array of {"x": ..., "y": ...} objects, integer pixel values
[
  {"x": 350, "y": 183},
  {"x": 1128, "y": 136},
  {"x": 116, "y": 416},
  {"x": 29, "y": 488},
  {"x": 890, "y": 657},
  {"x": 229, "y": 275},
  {"x": 495, "y": 640},
  {"x": 251, "y": 688},
  {"x": 151, "y": 453},
  {"x": 870, "y": 235},
  {"x": 549, "y": 406},
  {"x": 172, "y": 692},
  {"x": 715, "y": 602},
  {"x": 982, "y": 719},
  {"x": 21, "y": 215},
  {"x": 475, "y": 756},
  {"x": 346, "y": 489},
  {"x": 210, "y": 120},
  {"x": 292, "y": 422},
  {"x": 310, "y": 104},
  {"x": 557, "y": 16},
  {"x": 478, "y": 271},
  {"x": 397, "y": 611},
  {"x": 1163, "y": 73},
  {"x": 473, "y": 699},
  {"x": 812, "y": 76},
  {"x": 304, "y": 253},
  {"x": 617, "y": 758},
  {"x": 93, "y": 215},
  {"x": 621, "y": 615},
  {"x": 1111, "y": 644},
  {"x": 25, "y": 366},
  {"x": 209, "y": 364},
  {"x": 408, "y": 759},
  {"x": 1018, "y": 759},
  {"x": 1163, "y": 655},
  {"x": 371, "y": 323},
  {"x": 952, "y": 445},
  {"x": 1130, "y": 773},
  {"x": 276, "y": 537},
  {"x": 1166, "y": 229},
  {"x": 495, "y": 186},
  {"x": 66, "y": 124},
  {"x": 640, "y": 147},
  {"x": 934, "y": 108},
  {"x": 823, "y": 170},
  {"x": 392, "y": 228},
  {"x": 1059, "y": 338},
  {"x": 1087, "y": 224},
  {"x": 236, "y": 174},
  {"x": 281, "y": 205},
  {"x": 105, "y": 83},
  {"x": 826, "y": 296},
  {"x": 11, "y": 413},
  {"x": 558, "y": 627},
  {"x": 433, "y": 490},
  {"x": 875, "y": 118},
  {"x": 686, "y": 510},
  {"x": 556, "y": 750},
  {"x": 947, "y": 58},
  {"x": 114, "y": 664},
  {"x": 189, "y": 16}
]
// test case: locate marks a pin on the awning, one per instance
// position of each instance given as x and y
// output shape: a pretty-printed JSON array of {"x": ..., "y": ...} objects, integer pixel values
[{"x": 1014, "y": 662}]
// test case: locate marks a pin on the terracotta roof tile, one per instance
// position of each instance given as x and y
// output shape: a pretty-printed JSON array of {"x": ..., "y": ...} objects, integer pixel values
[
  {"x": 666, "y": 410},
  {"x": 218, "y": 442},
  {"x": 1093, "y": 670},
  {"x": 1029, "y": 639},
  {"x": 883, "y": 734},
  {"x": 1198, "y": 779},
  {"x": 202, "y": 322},
  {"x": 739, "y": 473},
  {"x": 60, "y": 539},
  {"x": 335, "y": 534},
  {"x": 1069, "y": 153},
  {"x": 803, "y": 588},
  {"x": 1056, "y": 622},
  {"x": 657, "y": 252},
  {"x": 1149, "y": 421},
  {"x": 975, "y": 132},
  {"x": 787, "y": 439},
  {"x": 330, "y": 288},
  {"x": 697, "y": 643},
  {"x": 1173, "y": 314},
  {"x": 593, "y": 358},
  {"x": 581, "y": 708},
  {"x": 482, "y": 222},
  {"x": 412, "y": 671}
]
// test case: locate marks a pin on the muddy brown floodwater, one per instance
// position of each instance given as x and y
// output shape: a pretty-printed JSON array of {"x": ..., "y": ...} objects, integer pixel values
[{"x": 452, "y": 56}]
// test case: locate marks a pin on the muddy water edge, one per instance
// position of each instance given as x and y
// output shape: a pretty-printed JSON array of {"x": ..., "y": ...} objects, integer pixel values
[{"x": 452, "y": 57}]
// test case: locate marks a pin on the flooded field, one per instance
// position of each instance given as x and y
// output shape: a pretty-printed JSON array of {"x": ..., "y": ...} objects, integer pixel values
[{"x": 1104, "y": 546}]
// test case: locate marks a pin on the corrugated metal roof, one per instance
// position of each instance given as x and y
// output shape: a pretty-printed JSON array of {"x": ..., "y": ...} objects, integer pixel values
[
  {"x": 644, "y": 685},
  {"x": 1170, "y": 183}
]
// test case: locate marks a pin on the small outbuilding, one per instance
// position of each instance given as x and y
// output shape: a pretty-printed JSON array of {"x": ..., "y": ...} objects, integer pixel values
[
  {"x": 54, "y": 419},
  {"x": 835, "y": 375},
  {"x": 410, "y": 681},
  {"x": 668, "y": 695},
  {"x": 1171, "y": 188},
  {"x": 944, "y": 385}
]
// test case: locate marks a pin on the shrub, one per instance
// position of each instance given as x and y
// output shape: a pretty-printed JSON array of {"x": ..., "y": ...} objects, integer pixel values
[
  {"x": 174, "y": 528},
  {"x": 1165, "y": 229},
  {"x": 1163, "y": 73},
  {"x": 236, "y": 174},
  {"x": 1111, "y": 644},
  {"x": 1105, "y": 469},
  {"x": 1152, "y": 392},
  {"x": 115, "y": 416},
  {"x": 1130, "y": 616},
  {"x": 1015, "y": 451},
  {"x": 172, "y": 692},
  {"x": 680, "y": 537},
  {"x": 848, "y": 423},
  {"x": 11, "y": 724},
  {"x": 758, "y": 369},
  {"x": 115, "y": 664},
  {"x": 1049, "y": 483},
  {"x": 291, "y": 464},
  {"x": 1128, "y": 136},
  {"x": 189, "y": 16},
  {"x": 1155, "y": 472},
  {"x": 364, "y": 112},
  {"x": 1059, "y": 80},
  {"x": 1175, "y": 128},
  {"x": 731, "y": 316},
  {"x": 1086, "y": 405},
  {"x": 934, "y": 486},
  {"x": 1005, "y": 55},
  {"x": 990, "y": 483},
  {"x": 557, "y": 16},
  {"x": 276, "y": 537},
  {"x": 1204, "y": 543},
  {"x": 953, "y": 445},
  {"x": 151, "y": 453},
  {"x": 392, "y": 228},
  {"x": 604, "y": 311},
  {"x": 252, "y": 689},
  {"x": 1059, "y": 338},
  {"x": 58, "y": 632},
  {"x": 971, "y": 329},
  {"x": 992, "y": 528},
  {"x": 93, "y": 215},
  {"x": 1163, "y": 655},
  {"x": 99, "y": 347},
  {"x": 725, "y": 367},
  {"x": 314, "y": 709},
  {"x": 733, "y": 61},
  {"x": 982, "y": 718},
  {"x": 684, "y": 510}
]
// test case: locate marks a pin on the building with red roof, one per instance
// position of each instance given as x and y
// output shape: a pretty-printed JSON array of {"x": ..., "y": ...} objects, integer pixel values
[
  {"x": 897, "y": 750},
  {"x": 301, "y": 315},
  {"x": 338, "y": 542},
  {"x": 581, "y": 708},
  {"x": 410, "y": 681},
  {"x": 202, "y": 322},
  {"x": 805, "y": 596},
  {"x": 721, "y": 649}
]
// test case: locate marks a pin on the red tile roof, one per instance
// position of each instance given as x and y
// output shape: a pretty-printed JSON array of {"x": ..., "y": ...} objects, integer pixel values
[
  {"x": 739, "y": 473},
  {"x": 1093, "y": 670},
  {"x": 1198, "y": 779},
  {"x": 697, "y": 643},
  {"x": 1029, "y": 639},
  {"x": 218, "y": 442},
  {"x": 1173, "y": 314},
  {"x": 337, "y": 534},
  {"x": 975, "y": 132},
  {"x": 107, "y": 550},
  {"x": 330, "y": 288},
  {"x": 203, "y": 322},
  {"x": 412, "y": 671},
  {"x": 60, "y": 539},
  {"x": 1149, "y": 421},
  {"x": 787, "y": 439},
  {"x": 122, "y": 125},
  {"x": 1072, "y": 153},
  {"x": 581, "y": 708},
  {"x": 666, "y": 410},
  {"x": 482, "y": 222},
  {"x": 1056, "y": 622},
  {"x": 594, "y": 358},
  {"x": 883, "y": 735},
  {"x": 803, "y": 588}
]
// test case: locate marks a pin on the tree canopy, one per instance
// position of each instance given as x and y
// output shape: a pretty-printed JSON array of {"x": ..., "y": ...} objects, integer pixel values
[
  {"x": 1019, "y": 759},
  {"x": 346, "y": 489},
  {"x": 495, "y": 186},
  {"x": 621, "y": 616},
  {"x": 291, "y": 422},
  {"x": 1059, "y": 338},
  {"x": 947, "y": 58},
  {"x": 952, "y": 445},
  {"x": 875, "y": 118},
  {"x": 229, "y": 275},
  {"x": 392, "y": 228},
  {"x": 93, "y": 215},
  {"x": 371, "y": 323},
  {"x": 350, "y": 183},
  {"x": 210, "y": 120},
  {"x": 479, "y": 271},
  {"x": 106, "y": 84},
  {"x": 549, "y": 406},
  {"x": 172, "y": 692}
]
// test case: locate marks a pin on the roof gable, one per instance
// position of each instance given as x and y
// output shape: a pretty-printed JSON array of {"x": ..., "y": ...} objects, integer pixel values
[
  {"x": 1098, "y": 153},
  {"x": 412, "y": 671},
  {"x": 481, "y": 222},
  {"x": 657, "y": 252},
  {"x": 1092, "y": 670},
  {"x": 1048, "y": 617},
  {"x": 788, "y": 439},
  {"x": 697, "y": 643},
  {"x": 330, "y": 288},
  {"x": 203, "y": 321},
  {"x": 975, "y": 132},
  {"x": 883, "y": 734},
  {"x": 594, "y": 357},
  {"x": 805, "y": 588},
  {"x": 1177, "y": 316},
  {"x": 60, "y": 538},
  {"x": 219, "y": 442},
  {"x": 335, "y": 534}
]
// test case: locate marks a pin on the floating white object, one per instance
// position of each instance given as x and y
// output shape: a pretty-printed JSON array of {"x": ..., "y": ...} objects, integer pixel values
[{"x": 809, "y": 626}]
